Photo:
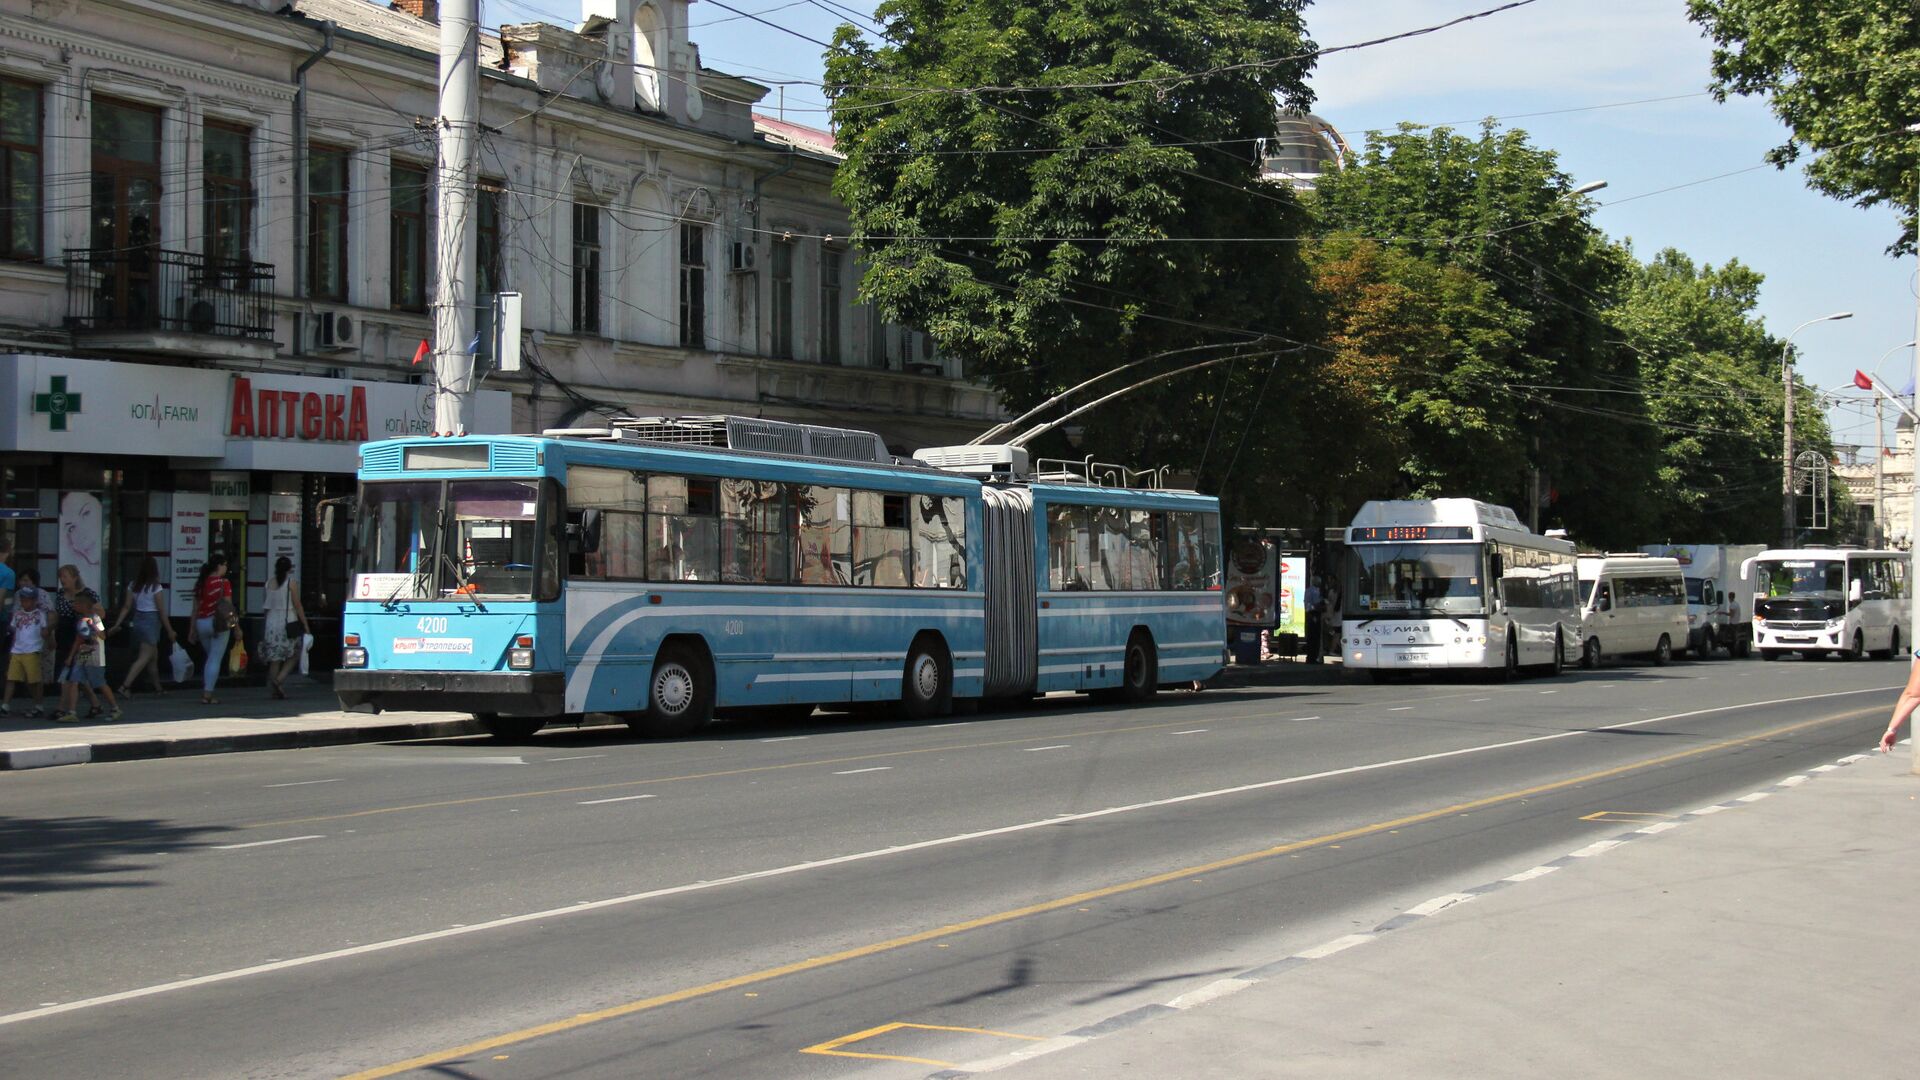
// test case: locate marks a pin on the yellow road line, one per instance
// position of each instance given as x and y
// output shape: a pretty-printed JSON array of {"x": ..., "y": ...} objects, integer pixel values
[
  {"x": 674, "y": 997},
  {"x": 831, "y": 1048}
]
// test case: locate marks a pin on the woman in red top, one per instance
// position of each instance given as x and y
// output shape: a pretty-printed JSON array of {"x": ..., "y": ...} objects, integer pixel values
[{"x": 209, "y": 630}]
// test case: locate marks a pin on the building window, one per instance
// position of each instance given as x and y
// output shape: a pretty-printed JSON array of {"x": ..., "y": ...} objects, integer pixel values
[
  {"x": 126, "y": 211},
  {"x": 693, "y": 286},
  {"x": 327, "y": 223},
  {"x": 586, "y": 269},
  {"x": 408, "y": 255},
  {"x": 20, "y": 192},
  {"x": 227, "y": 190},
  {"x": 830, "y": 262},
  {"x": 488, "y": 262},
  {"x": 782, "y": 277}
]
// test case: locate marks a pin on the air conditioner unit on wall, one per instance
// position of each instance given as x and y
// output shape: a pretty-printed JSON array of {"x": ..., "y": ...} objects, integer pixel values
[
  {"x": 740, "y": 257},
  {"x": 333, "y": 330}
]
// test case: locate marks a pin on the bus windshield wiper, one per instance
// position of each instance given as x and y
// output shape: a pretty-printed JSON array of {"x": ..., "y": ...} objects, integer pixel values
[
  {"x": 412, "y": 582},
  {"x": 463, "y": 584}
]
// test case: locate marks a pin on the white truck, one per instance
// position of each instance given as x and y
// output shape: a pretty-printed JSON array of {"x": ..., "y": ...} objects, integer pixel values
[{"x": 1719, "y": 615}]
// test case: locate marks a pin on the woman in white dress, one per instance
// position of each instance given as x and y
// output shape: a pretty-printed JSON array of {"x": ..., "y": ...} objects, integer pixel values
[{"x": 286, "y": 625}]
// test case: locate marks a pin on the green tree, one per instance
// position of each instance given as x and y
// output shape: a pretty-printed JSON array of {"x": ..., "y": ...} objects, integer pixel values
[
  {"x": 1500, "y": 208},
  {"x": 1843, "y": 77},
  {"x": 1070, "y": 226}
]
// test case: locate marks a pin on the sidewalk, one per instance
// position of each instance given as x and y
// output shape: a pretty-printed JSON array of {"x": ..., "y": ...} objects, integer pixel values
[
  {"x": 1774, "y": 938},
  {"x": 176, "y": 724}
]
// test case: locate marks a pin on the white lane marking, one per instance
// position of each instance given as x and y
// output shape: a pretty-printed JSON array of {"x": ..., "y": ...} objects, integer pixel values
[
  {"x": 1189, "y": 731},
  {"x": 1478, "y": 699},
  {"x": 1439, "y": 903},
  {"x": 623, "y": 798},
  {"x": 956, "y": 723},
  {"x": 865, "y": 856},
  {"x": 1549, "y": 691},
  {"x": 1851, "y": 758},
  {"x": 1299, "y": 719},
  {"x": 1213, "y": 991},
  {"x": 1402, "y": 708},
  {"x": 856, "y": 772},
  {"x": 1340, "y": 944},
  {"x": 1037, "y": 749},
  {"x": 264, "y": 843},
  {"x": 1595, "y": 848},
  {"x": 1753, "y": 796},
  {"x": 1659, "y": 827},
  {"x": 1823, "y": 768},
  {"x": 1705, "y": 810},
  {"x": 785, "y": 738},
  {"x": 304, "y": 783},
  {"x": 574, "y": 757},
  {"x": 1794, "y": 781},
  {"x": 1529, "y": 875}
]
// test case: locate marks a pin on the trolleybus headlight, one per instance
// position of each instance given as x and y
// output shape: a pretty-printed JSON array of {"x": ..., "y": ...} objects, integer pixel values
[
  {"x": 520, "y": 659},
  {"x": 353, "y": 658}
]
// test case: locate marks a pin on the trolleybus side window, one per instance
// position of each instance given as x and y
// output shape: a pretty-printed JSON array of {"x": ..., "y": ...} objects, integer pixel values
[
  {"x": 1144, "y": 529},
  {"x": 683, "y": 529},
  {"x": 397, "y": 522},
  {"x": 753, "y": 532},
  {"x": 823, "y": 543},
  {"x": 939, "y": 542},
  {"x": 1069, "y": 548},
  {"x": 1113, "y": 556},
  {"x": 1186, "y": 555},
  {"x": 880, "y": 539},
  {"x": 607, "y": 511}
]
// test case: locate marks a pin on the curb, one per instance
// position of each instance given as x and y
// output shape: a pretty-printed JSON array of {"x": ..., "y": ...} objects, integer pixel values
[
  {"x": 1235, "y": 676},
  {"x": 1241, "y": 980},
  {"x": 80, "y": 753}
]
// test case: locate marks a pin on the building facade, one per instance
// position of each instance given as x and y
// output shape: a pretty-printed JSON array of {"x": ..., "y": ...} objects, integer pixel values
[
  {"x": 217, "y": 261},
  {"x": 1887, "y": 489}
]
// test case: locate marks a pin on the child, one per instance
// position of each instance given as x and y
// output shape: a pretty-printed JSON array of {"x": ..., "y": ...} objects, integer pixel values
[
  {"x": 29, "y": 625},
  {"x": 86, "y": 664}
]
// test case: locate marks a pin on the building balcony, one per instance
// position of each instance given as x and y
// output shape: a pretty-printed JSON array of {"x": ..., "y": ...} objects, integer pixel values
[{"x": 148, "y": 300}]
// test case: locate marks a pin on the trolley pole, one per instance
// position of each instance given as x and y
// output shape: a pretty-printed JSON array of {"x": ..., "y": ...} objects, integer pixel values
[{"x": 453, "y": 298}]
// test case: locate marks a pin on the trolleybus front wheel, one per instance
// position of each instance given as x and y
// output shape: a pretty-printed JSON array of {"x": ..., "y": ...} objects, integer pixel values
[
  {"x": 679, "y": 695},
  {"x": 510, "y": 728}
]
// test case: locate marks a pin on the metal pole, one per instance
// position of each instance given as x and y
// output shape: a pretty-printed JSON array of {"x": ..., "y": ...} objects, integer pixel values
[
  {"x": 1913, "y": 499},
  {"x": 453, "y": 298},
  {"x": 1786, "y": 451},
  {"x": 1879, "y": 472}
]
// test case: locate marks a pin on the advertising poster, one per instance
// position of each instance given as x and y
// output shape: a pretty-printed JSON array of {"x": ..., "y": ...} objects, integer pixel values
[
  {"x": 190, "y": 527},
  {"x": 1293, "y": 595},
  {"x": 283, "y": 531},
  {"x": 80, "y": 534},
  {"x": 1252, "y": 584}
]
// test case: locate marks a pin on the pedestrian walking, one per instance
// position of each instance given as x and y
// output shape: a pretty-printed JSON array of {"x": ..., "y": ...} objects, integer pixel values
[
  {"x": 1316, "y": 614},
  {"x": 86, "y": 665},
  {"x": 71, "y": 588},
  {"x": 1904, "y": 707},
  {"x": 286, "y": 626},
  {"x": 145, "y": 608},
  {"x": 28, "y": 628},
  {"x": 214, "y": 618}
]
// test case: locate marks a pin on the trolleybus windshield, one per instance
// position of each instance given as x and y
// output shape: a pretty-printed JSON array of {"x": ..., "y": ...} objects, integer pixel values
[
  {"x": 1414, "y": 579},
  {"x": 445, "y": 540}
]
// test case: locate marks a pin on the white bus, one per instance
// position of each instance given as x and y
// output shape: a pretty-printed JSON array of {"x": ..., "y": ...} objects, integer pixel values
[
  {"x": 1455, "y": 584},
  {"x": 1817, "y": 600},
  {"x": 1631, "y": 605}
]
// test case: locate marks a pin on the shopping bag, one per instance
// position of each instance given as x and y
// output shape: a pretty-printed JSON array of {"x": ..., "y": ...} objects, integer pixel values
[
  {"x": 237, "y": 658},
  {"x": 182, "y": 665},
  {"x": 306, "y": 646}
]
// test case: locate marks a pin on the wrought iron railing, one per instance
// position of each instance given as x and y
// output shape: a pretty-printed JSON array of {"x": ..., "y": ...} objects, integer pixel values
[{"x": 181, "y": 291}]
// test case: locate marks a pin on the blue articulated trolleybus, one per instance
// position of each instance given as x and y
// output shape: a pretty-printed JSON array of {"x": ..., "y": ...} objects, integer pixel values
[{"x": 664, "y": 570}]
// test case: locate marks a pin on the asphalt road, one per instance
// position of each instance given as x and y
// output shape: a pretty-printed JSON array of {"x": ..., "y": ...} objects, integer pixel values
[{"x": 846, "y": 896}]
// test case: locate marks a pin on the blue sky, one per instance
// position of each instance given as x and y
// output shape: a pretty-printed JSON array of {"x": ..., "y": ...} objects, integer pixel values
[{"x": 1819, "y": 255}]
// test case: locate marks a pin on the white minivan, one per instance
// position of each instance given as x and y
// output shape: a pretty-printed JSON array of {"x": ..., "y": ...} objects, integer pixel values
[{"x": 1631, "y": 605}]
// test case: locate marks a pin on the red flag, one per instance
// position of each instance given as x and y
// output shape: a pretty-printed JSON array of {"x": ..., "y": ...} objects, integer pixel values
[
  {"x": 420, "y": 353},
  {"x": 1860, "y": 380}
]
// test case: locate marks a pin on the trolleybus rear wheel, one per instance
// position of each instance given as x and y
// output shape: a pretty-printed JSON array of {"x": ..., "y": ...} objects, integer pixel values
[
  {"x": 926, "y": 687},
  {"x": 679, "y": 695},
  {"x": 510, "y": 728}
]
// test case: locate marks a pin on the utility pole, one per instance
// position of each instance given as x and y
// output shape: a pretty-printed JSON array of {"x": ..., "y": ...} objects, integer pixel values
[
  {"x": 1879, "y": 472},
  {"x": 453, "y": 299},
  {"x": 1913, "y": 503},
  {"x": 1787, "y": 530}
]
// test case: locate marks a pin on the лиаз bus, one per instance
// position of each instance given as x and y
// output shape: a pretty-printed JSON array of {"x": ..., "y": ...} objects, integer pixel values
[
  {"x": 1849, "y": 601},
  {"x": 1437, "y": 584},
  {"x": 661, "y": 570}
]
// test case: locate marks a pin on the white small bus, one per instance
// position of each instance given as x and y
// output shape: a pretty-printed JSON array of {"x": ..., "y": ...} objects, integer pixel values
[
  {"x": 1847, "y": 601},
  {"x": 1435, "y": 584},
  {"x": 1631, "y": 605}
]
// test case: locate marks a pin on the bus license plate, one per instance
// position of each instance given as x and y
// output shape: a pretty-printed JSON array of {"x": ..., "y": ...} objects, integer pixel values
[{"x": 1411, "y": 657}]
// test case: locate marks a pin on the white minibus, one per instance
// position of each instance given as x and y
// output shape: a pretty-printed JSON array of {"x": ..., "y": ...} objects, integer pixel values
[
  {"x": 1631, "y": 605},
  {"x": 1815, "y": 600}
]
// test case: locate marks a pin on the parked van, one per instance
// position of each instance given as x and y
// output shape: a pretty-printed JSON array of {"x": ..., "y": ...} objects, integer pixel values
[
  {"x": 1720, "y": 592},
  {"x": 1631, "y": 605}
]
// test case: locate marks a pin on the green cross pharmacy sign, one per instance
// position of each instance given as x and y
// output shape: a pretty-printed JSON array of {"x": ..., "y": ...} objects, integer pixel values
[{"x": 58, "y": 403}]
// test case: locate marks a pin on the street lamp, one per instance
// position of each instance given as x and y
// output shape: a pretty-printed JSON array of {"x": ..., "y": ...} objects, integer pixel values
[
  {"x": 1588, "y": 188},
  {"x": 1786, "y": 464}
]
